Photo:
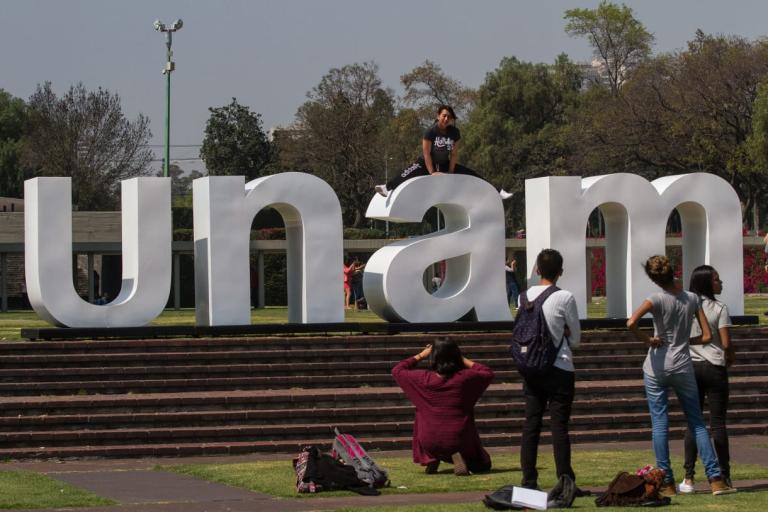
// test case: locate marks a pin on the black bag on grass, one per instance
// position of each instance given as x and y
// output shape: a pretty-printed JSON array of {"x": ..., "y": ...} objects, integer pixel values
[{"x": 323, "y": 472}]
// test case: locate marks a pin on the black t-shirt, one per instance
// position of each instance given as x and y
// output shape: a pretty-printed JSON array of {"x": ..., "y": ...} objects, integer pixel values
[{"x": 442, "y": 145}]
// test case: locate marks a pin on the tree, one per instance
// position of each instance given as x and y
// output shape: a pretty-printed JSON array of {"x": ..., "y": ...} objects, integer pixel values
[
  {"x": 181, "y": 185},
  {"x": 517, "y": 128},
  {"x": 617, "y": 38},
  {"x": 689, "y": 111},
  {"x": 13, "y": 123},
  {"x": 339, "y": 135},
  {"x": 426, "y": 86},
  {"x": 235, "y": 143},
  {"x": 84, "y": 135}
]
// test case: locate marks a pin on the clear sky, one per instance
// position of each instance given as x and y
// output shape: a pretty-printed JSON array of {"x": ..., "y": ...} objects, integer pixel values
[{"x": 269, "y": 53}]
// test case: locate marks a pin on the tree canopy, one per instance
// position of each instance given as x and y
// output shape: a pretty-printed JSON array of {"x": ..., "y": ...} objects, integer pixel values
[
  {"x": 235, "y": 142},
  {"x": 689, "y": 111},
  {"x": 339, "y": 135},
  {"x": 84, "y": 135},
  {"x": 619, "y": 41},
  {"x": 13, "y": 124},
  {"x": 426, "y": 86}
]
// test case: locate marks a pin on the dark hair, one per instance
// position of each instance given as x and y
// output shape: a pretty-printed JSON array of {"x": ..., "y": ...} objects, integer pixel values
[
  {"x": 448, "y": 108},
  {"x": 701, "y": 281},
  {"x": 659, "y": 270},
  {"x": 446, "y": 358},
  {"x": 550, "y": 264}
]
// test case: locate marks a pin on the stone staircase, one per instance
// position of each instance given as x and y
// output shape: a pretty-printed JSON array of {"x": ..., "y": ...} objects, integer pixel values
[{"x": 176, "y": 397}]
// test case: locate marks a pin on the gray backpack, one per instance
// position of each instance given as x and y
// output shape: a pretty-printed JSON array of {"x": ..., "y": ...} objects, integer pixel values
[{"x": 347, "y": 448}]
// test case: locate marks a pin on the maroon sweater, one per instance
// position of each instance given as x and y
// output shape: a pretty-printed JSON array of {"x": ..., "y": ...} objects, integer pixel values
[{"x": 445, "y": 410}]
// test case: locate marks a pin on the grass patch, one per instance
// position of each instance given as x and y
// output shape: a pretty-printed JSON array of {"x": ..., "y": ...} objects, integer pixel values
[
  {"x": 593, "y": 469},
  {"x": 25, "y": 489}
]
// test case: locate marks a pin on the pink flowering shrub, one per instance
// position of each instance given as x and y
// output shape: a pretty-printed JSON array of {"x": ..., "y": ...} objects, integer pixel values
[
  {"x": 755, "y": 277},
  {"x": 598, "y": 272}
]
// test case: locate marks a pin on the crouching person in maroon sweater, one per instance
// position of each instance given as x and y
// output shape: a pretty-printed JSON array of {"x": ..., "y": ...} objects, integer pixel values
[{"x": 445, "y": 397}]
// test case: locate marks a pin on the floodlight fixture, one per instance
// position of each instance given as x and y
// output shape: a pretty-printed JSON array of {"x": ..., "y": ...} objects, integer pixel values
[{"x": 170, "y": 66}]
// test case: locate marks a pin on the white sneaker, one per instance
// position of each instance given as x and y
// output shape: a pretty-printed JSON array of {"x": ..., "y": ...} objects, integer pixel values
[
  {"x": 505, "y": 195},
  {"x": 381, "y": 190},
  {"x": 686, "y": 487}
]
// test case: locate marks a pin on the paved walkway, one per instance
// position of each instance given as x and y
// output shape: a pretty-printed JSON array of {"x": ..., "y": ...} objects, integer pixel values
[{"x": 137, "y": 487}]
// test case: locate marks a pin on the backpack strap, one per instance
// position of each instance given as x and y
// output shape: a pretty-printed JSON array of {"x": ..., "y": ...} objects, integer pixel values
[
  {"x": 525, "y": 303},
  {"x": 546, "y": 293}
]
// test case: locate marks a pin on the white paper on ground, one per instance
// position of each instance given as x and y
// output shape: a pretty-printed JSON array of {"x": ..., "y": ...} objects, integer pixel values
[{"x": 531, "y": 498}]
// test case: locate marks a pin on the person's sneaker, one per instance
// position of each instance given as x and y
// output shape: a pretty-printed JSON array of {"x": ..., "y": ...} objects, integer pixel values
[
  {"x": 381, "y": 190},
  {"x": 459, "y": 466},
  {"x": 720, "y": 487},
  {"x": 728, "y": 482},
  {"x": 505, "y": 195},
  {"x": 431, "y": 468},
  {"x": 668, "y": 489},
  {"x": 686, "y": 486}
]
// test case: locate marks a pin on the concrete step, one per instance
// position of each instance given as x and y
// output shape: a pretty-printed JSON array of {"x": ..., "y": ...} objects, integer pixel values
[
  {"x": 303, "y": 342},
  {"x": 620, "y": 393},
  {"x": 321, "y": 427},
  {"x": 292, "y": 447},
  {"x": 218, "y": 395},
  {"x": 198, "y": 371},
  {"x": 120, "y": 384}
]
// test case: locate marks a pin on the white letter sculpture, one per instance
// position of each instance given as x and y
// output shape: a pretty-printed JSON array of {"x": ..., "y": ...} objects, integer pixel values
[
  {"x": 636, "y": 214},
  {"x": 224, "y": 208},
  {"x": 472, "y": 244},
  {"x": 147, "y": 234}
]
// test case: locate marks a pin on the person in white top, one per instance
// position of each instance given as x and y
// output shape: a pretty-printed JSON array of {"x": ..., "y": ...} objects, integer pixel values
[
  {"x": 557, "y": 388},
  {"x": 710, "y": 367}
]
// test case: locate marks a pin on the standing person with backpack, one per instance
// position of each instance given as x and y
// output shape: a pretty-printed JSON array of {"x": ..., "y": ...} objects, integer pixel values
[{"x": 546, "y": 329}]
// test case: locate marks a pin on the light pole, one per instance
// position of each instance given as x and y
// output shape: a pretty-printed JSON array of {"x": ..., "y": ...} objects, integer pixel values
[
  {"x": 387, "y": 158},
  {"x": 169, "y": 67}
]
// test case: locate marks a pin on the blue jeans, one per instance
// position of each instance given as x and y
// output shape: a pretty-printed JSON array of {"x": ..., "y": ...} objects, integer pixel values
[
  {"x": 687, "y": 392},
  {"x": 512, "y": 291}
]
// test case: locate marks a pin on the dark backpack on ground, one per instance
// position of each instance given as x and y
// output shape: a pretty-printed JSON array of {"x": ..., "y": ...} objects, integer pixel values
[
  {"x": 563, "y": 494},
  {"x": 317, "y": 472},
  {"x": 532, "y": 347},
  {"x": 501, "y": 499}
]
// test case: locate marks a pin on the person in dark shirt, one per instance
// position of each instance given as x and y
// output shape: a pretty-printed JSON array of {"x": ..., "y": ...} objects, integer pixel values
[
  {"x": 444, "y": 397},
  {"x": 440, "y": 154}
]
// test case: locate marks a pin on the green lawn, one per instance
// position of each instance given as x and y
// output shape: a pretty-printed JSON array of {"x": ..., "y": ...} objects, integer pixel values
[
  {"x": 12, "y": 321},
  {"x": 25, "y": 489},
  {"x": 593, "y": 469}
]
